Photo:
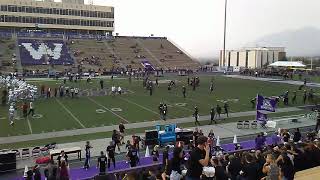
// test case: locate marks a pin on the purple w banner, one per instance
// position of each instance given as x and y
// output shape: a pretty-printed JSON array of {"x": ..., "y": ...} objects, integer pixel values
[
  {"x": 261, "y": 117},
  {"x": 265, "y": 104},
  {"x": 147, "y": 65}
]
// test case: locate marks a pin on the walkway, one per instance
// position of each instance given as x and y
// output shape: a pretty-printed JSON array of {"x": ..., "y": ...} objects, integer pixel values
[
  {"x": 225, "y": 131},
  {"x": 15, "y": 139},
  {"x": 298, "y": 83}
]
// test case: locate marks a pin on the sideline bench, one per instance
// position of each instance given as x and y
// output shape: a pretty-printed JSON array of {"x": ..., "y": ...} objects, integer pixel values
[{"x": 72, "y": 150}]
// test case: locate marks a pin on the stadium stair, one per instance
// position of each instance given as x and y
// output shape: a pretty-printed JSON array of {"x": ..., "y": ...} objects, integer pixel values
[
  {"x": 18, "y": 58},
  {"x": 156, "y": 59},
  {"x": 113, "y": 52}
]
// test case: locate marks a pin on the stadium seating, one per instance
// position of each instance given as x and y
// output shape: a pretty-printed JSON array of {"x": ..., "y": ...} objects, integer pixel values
[
  {"x": 39, "y": 52},
  {"x": 90, "y": 53},
  {"x": 7, "y": 52}
]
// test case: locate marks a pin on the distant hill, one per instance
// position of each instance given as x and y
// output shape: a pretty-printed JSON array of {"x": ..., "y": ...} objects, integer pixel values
[{"x": 300, "y": 42}]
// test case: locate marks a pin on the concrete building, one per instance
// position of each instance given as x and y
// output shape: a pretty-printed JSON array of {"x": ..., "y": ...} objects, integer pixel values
[
  {"x": 252, "y": 57},
  {"x": 67, "y": 16},
  {"x": 73, "y": 1}
]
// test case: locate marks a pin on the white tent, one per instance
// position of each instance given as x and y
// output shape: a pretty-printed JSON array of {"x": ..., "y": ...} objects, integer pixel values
[{"x": 287, "y": 64}]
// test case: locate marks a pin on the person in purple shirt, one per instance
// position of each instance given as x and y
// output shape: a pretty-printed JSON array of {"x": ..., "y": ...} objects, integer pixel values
[
  {"x": 259, "y": 142},
  {"x": 275, "y": 139},
  {"x": 263, "y": 138}
]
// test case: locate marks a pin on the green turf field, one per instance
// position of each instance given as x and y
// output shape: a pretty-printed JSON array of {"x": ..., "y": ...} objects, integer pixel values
[{"x": 58, "y": 114}]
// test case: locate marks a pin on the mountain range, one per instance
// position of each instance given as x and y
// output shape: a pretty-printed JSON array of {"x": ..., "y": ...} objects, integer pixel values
[{"x": 300, "y": 42}]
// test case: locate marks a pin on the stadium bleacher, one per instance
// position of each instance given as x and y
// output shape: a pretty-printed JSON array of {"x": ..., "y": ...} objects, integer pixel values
[
  {"x": 40, "y": 52},
  {"x": 92, "y": 52},
  {"x": 7, "y": 53}
]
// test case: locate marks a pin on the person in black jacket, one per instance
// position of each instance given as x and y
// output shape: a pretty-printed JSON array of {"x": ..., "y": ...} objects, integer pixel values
[
  {"x": 62, "y": 157},
  {"x": 297, "y": 135},
  {"x": 234, "y": 166},
  {"x": 220, "y": 173},
  {"x": 250, "y": 168},
  {"x": 174, "y": 167},
  {"x": 165, "y": 158},
  {"x": 218, "y": 109}
]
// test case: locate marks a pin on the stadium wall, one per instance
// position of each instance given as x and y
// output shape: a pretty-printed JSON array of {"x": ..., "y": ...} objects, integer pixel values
[
  {"x": 256, "y": 57},
  {"x": 55, "y": 15}
]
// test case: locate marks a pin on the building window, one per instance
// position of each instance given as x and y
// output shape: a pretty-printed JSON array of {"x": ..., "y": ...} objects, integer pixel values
[
  {"x": 229, "y": 56},
  {"x": 273, "y": 56},
  {"x": 4, "y": 8},
  {"x": 247, "y": 58},
  {"x": 261, "y": 63},
  {"x": 237, "y": 58}
]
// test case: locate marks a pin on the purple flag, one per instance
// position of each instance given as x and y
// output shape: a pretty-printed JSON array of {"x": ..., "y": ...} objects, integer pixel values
[
  {"x": 261, "y": 117},
  {"x": 147, "y": 65},
  {"x": 266, "y": 104}
]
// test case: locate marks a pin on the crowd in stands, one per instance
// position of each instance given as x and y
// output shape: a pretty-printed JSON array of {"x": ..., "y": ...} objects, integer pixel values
[
  {"x": 204, "y": 159},
  {"x": 288, "y": 154}
]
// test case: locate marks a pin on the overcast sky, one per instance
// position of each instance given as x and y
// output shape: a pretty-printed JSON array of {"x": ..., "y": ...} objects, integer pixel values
[{"x": 197, "y": 25}]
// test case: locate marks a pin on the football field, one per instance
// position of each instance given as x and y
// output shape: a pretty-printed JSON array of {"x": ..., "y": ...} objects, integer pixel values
[{"x": 96, "y": 107}]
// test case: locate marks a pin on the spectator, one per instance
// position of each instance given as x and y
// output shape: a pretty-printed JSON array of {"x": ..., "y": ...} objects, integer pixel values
[
  {"x": 155, "y": 153},
  {"x": 285, "y": 136},
  {"x": 260, "y": 162},
  {"x": 259, "y": 142},
  {"x": 165, "y": 157},
  {"x": 275, "y": 139},
  {"x": 297, "y": 135},
  {"x": 51, "y": 171},
  {"x": 195, "y": 136},
  {"x": 249, "y": 169},
  {"x": 64, "y": 172},
  {"x": 286, "y": 167},
  {"x": 36, "y": 172},
  {"x": 174, "y": 169},
  {"x": 271, "y": 169},
  {"x": 62, "y": 157},
  {"x": 198, "y": 159},
  {"x": 234, "y": 166},
  {"x": 220, "y": 173}
]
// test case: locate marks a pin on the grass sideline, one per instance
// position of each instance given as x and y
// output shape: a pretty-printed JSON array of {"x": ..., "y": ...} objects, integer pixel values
[{"x": 102, "y": 135}]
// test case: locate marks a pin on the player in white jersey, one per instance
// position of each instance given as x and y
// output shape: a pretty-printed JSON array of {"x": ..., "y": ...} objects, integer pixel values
[
  {"x": 11, "y": 115},
  {"x": 113, "y": 90},
  {"x": 119, "y": 90}
]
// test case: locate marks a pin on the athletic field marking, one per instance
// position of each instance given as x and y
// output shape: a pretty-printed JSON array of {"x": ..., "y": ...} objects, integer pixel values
[
  {"x": 29, "y": 124},
  {"x": 68, "y": 111},
  {"x": 116, "y": 109},
  {"x": 181, "y": 107},
  {"x": 192, "y": 100},
  {"x": 181, "y": 104},
  {"x": 100, "y": 111},
  {"x": 145, "y": 108},
  {"x": 108, "y": 109},
  {"x": 37, "y": 116},
  {"x": 2, "y": 118}
]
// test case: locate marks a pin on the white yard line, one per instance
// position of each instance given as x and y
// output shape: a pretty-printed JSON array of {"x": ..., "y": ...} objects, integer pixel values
[
  {"x": 108, "y": 109},
  {"x": 71, "y": 114},
  {"x": 29, "y": 124},
  {"x": 143, "y": 107}
]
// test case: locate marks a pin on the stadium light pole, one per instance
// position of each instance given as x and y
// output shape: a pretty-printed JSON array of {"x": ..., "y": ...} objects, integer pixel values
[{"x": 225, "y": 32}]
